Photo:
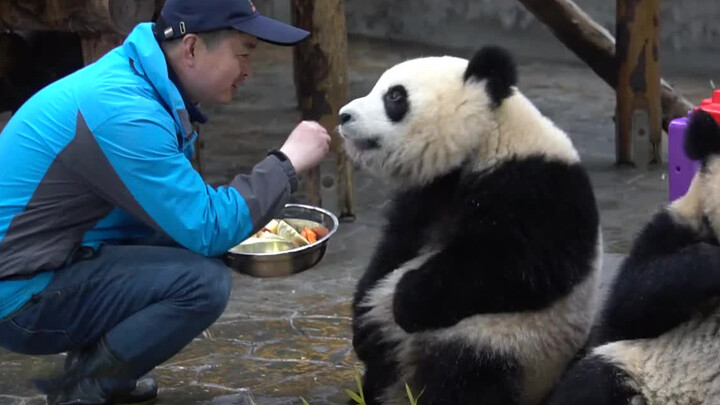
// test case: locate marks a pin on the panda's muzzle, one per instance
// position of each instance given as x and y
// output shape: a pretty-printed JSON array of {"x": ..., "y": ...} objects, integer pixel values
[{"x": 366, "y": 143}]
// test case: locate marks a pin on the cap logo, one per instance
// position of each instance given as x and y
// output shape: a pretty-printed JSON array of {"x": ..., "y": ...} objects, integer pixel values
[{"x": 252, "y": 6}]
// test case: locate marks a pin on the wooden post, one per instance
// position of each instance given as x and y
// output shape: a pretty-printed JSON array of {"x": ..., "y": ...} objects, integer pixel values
[
  {"x": 638, "y": 120},
  {"x": 596, "y": 47},
  {"x": 320, "y": 64}
]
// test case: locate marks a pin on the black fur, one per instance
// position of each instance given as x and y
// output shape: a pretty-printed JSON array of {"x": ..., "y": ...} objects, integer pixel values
[
  {"x": 517, "y": 238},
  {"x": 593, "y": 381},
  {"x": 702, "y": 136},
  {"x": 380, "y": 373},
  {"x": 396, "y": 103},
  {"x": 670, "y": 273},
  {"x": 454, "y": 374},
  {"x": 497, "y": 66}
]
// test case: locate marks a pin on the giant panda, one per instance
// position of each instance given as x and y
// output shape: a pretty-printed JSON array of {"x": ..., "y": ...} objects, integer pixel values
[
  {"x": 657, "y": 341},
  {"x": 484, "y": 282}
]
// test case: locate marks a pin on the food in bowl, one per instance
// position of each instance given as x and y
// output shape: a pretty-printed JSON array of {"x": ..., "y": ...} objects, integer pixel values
[{"x": 280, "y": 235}]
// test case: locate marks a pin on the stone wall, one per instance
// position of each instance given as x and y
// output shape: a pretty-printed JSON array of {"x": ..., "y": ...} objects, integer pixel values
[{"x": 688, "y": 26}]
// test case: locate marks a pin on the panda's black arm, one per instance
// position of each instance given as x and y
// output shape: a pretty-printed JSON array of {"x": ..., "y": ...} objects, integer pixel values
[
  {"x": 668, "y": 276},
  {"x": 441, "y": 292},
  {"x": 405, "y": 233},
  {"x": 395, "y": 247}
]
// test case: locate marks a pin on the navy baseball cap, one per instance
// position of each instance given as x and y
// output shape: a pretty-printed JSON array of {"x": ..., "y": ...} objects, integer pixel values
[{"x": 180, "y": 17}]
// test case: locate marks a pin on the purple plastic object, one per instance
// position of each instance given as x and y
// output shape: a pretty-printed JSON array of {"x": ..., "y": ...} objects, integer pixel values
[{"x": 681, "y": 168}]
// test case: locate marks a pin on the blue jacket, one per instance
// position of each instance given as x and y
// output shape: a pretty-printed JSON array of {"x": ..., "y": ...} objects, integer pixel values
[{"x": 102, "y": 156}]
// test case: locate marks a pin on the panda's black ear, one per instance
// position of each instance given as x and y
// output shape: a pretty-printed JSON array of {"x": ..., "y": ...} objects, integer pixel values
[
  {"x": 702, "y": 136},
  {"x": 497, "y": 66}
]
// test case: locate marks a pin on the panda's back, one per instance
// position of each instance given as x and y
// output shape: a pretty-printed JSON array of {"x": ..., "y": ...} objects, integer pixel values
[{"x": 679, "y": 367}]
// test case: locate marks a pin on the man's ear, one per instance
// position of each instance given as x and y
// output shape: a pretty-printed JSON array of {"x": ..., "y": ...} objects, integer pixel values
[{"x": 189, "y": 45}]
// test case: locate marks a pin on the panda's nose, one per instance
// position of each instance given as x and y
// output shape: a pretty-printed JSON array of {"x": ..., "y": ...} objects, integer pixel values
[{"x": 345, "y": 118}]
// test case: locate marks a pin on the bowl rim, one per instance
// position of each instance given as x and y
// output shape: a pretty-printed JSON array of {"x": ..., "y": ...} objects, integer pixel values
[{"x": 300, "y": 249}]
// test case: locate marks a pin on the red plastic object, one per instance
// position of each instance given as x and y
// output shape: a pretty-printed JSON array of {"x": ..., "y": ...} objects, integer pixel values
[{"x": 712, "y": 105}]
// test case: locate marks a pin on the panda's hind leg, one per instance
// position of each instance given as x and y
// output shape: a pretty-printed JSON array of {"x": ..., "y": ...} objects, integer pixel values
[
  {"x": 452, "y": 374},
  {"x": 594, "y": 381}
]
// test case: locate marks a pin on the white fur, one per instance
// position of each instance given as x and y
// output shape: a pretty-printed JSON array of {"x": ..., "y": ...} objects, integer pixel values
[
  {"x": 524, "y": 131},
  {"x": 688, "y": 209},
  {"x": 710, "y": 193},
  {"x": 679, "y": 368}
]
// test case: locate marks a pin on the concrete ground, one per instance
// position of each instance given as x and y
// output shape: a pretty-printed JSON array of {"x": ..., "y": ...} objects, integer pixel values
[{"x": 282, "y": 339}]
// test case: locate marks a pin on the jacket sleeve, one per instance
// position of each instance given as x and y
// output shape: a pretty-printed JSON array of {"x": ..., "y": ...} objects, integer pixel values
[{"x": 141, "y": 169}]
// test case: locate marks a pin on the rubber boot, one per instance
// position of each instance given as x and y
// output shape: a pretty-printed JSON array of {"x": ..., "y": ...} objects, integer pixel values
[
  {"x": 145, "y": 391},
  {"x": 96, "y": 377}
]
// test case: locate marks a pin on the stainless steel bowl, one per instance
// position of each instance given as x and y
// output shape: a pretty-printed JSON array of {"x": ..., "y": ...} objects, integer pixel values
[{"x": 268, "y": 262}]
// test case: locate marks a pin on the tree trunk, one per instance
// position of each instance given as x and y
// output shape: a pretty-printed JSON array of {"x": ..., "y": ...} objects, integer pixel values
[
  {"x": 596, "y": 47},
  {"x": 95, "y": 16},
  {"x": 321, "y": 87},
  {"x": 638, "y": 120}
]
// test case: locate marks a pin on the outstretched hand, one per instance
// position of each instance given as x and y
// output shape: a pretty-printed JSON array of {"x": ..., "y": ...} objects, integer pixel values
[{"x": 307, "y": 145}]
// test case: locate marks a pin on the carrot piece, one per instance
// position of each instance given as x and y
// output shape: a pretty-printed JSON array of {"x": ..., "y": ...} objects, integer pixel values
[
  {"x": 320, "y": 231},
  {"x": 311, "y": 236}
]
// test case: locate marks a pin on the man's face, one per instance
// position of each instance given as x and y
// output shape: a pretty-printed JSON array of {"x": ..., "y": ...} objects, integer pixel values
[{"x": 219, "y": 71}]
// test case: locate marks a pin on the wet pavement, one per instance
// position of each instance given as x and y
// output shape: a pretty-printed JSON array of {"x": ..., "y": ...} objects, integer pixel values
[{"x": 287, "y": 338}]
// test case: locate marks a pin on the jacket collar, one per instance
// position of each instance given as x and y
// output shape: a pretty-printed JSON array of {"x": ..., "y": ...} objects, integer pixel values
[
  {"x": 148, "y": 60},
  {"x": 196, "y": 114}
]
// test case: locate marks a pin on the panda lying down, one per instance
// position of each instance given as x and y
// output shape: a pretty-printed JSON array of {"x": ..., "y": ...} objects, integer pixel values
[{"x": 483, "y": 285}]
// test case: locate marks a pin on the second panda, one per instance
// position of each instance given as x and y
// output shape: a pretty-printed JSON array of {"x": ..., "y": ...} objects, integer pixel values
[
  {"x": 484, "y": 283},
  {"x": 657, "y": 341}
]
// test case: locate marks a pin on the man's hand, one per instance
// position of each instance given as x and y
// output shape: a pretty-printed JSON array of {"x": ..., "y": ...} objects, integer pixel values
[{"x": 307, "y": 145}]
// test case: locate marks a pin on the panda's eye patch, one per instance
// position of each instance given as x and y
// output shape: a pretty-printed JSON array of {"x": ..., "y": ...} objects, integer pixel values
[
  {"x": 396, "y": 102},
  {"x": 396, "y": 94}
]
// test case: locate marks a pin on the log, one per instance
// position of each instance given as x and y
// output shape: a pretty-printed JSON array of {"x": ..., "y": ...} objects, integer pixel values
[
  {"x": 94, "y": 16},
  {"x": 320, "y": 75},
  {"x": 638, "y": 119},
  {"x": 594, "y": 45}
]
